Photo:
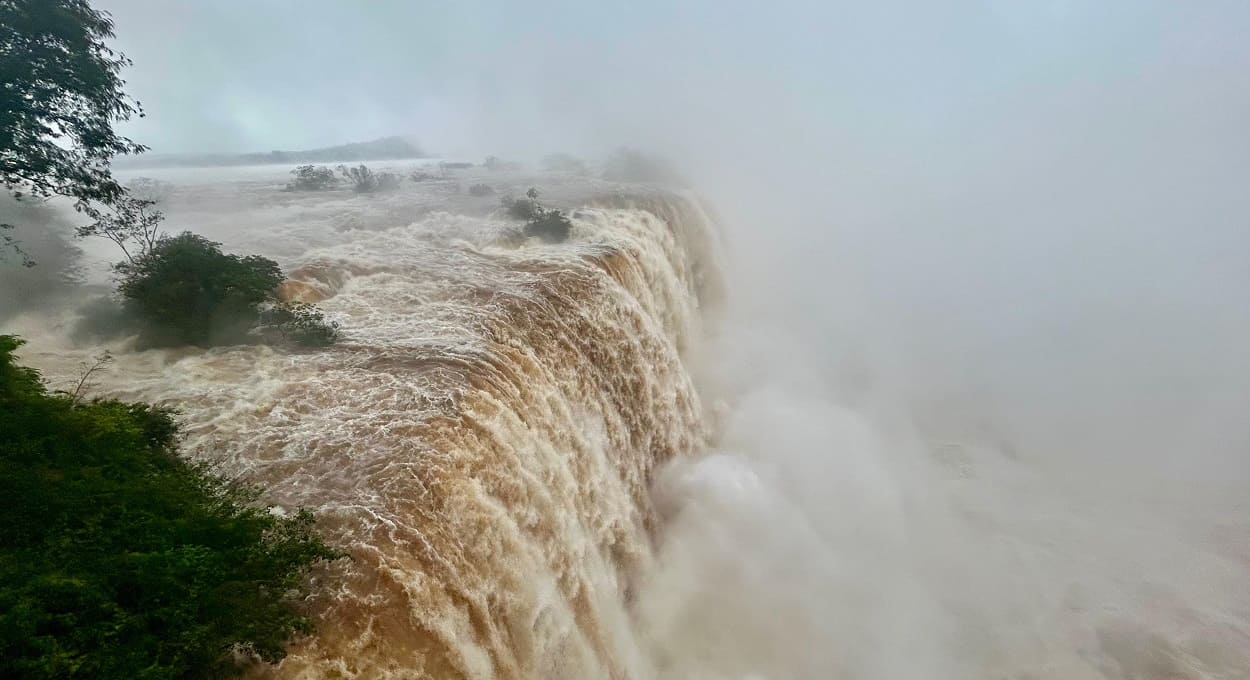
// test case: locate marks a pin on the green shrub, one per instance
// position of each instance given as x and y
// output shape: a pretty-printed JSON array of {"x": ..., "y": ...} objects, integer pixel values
[
  {"x": 552, "y": 226},
  {"x": 120, "y": 560},
  {"x": 186, "y": 291},
  {"x": 298, "y": 322},
  {"x": 312, "y": 178},
  {"x": 549, "y": 224}
]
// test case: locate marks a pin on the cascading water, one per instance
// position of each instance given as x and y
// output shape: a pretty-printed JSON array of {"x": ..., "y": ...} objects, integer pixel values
[
  {"x": 481, "y": 442},
  {"x": 543, "y": 467},
  {"x": 486, "y": 453}
]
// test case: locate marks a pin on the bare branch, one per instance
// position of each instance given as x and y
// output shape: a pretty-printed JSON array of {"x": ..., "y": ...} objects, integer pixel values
[
  {"x": 101, "y": 361},
  {"x": 131, "y": 223}
]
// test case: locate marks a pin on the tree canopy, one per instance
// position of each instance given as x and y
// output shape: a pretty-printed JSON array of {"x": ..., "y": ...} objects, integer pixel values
[
  {"x": 189, "y": 292},
  {"x": 62, "y": 94}
]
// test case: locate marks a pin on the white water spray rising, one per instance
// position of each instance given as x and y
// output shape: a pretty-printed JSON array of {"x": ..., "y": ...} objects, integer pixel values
[{"x": 589, "y": 460}]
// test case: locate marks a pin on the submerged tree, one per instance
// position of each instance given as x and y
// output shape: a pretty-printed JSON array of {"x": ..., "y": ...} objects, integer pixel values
[
  {"x": 62, "y": 94},
  {"x": 526, "y": 208},
  {"x": 300, "y": 323},
  {"x": 189, "y": 292},
  {"x": 553, "y": 226},
  {"x": 185, "y": 291},
  {"x": 367, "y": 181},
  {"x": 549, "y": 224},
  {"x": 312, "y": 178}
]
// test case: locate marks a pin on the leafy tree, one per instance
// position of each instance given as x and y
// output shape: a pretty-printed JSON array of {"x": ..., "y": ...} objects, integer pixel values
[
  {"x": 62, "y": 94},
  {"x": 312, "y": 178},
  {"x": 189, "y": 292},
  {"x": 119, "y": 560}
]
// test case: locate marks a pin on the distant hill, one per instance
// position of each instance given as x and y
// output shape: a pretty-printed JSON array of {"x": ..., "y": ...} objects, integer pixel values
[{"x": 386, "y": 148}]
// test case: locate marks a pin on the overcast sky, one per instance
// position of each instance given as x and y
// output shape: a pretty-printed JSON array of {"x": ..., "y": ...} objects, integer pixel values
[
  {"x": 1052, "y": 193},
  {"x": 261, "y": 74}
]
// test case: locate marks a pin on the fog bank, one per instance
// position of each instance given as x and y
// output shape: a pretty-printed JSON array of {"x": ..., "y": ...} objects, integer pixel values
[{"x": 984, "y": 378}]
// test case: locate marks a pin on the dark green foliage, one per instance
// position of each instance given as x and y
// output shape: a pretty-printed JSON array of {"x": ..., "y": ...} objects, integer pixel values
[
  {"x": 186, "y": 291},
  {"x": 298, "y": 322},
  {"x": 16, "y": 382},
  {"x": 549, "y": 224},
  {"x": 553, "y": 226},
  {"x": 118, "y": 560},
  {"x": 62, "y": 93},
  {"x": 312, "y": 178}
]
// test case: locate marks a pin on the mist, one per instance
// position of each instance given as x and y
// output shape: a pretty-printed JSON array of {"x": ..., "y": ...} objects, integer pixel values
[
  {"x": 981, "y": 386},
  {"x": 44, "y": 268}
]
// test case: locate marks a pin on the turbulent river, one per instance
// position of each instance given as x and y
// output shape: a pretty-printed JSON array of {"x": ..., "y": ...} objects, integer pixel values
[
  {"x": 482, "y": 441},
  {"x": 518, "y": 446}
]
